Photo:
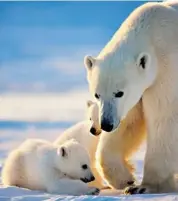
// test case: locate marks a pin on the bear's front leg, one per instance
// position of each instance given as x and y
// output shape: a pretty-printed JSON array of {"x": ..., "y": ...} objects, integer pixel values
[
  {"x": 115, "y": 171},
  {"x": 114, "y": 149},
  {"x": 161, "y": 158}
]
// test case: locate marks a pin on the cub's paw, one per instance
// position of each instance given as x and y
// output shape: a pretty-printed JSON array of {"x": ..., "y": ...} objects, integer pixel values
[
  {"x": 140, "y": 189},
  {"x": 93, "y": 191}
]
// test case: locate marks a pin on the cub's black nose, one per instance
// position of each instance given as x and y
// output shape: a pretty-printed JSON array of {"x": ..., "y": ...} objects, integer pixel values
[
  {"x": 93, "y": 130},
  {"x": 106, "y": 126},
  {"x": 87, "y": 180}
]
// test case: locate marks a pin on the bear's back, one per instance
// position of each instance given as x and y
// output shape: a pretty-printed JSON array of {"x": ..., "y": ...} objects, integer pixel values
[
  {"x": 81, "y": 133},
  {"x": 173, "y": 4}
]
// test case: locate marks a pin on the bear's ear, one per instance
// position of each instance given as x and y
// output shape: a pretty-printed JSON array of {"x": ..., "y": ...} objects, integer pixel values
[
  {"x": 89, "y": 62},
  {"x": 143, "y": 61},
  {"x": 89, "y": 103},
  {"x": 62, "y": 151}
]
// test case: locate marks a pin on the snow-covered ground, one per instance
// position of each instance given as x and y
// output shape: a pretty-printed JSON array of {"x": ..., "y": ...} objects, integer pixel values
[
  {"x": 43, "y": 86},
  {"x": 44, "y": 116}
]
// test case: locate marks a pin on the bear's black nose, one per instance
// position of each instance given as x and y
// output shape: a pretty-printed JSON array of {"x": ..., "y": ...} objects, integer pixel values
[
  {"x": 106, "y": 126},
  {"x": 93, "y": 130},
  {"x": 92, "y": 178}
]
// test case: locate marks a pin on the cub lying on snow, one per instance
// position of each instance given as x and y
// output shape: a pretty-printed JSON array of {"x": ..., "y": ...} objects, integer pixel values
[
  {"x": 81, "y": 132},
  {"x": 40, "y": 165}
]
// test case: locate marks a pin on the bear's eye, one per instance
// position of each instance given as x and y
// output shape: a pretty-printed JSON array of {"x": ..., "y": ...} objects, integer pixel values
[
  {"x": 143, "y": 62},
  {"x": 97, "y": 96},
  {"x": 84, "y": 167},
  {"x": 119, "y": 94},
  {"x": 90, "y": 119}
]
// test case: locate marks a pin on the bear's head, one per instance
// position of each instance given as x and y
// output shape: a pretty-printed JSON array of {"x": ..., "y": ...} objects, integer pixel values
[
  {"x": 124, "y": 69},
  {"x": 74, "y": 162},
  {"x": 93, "y": 117}
]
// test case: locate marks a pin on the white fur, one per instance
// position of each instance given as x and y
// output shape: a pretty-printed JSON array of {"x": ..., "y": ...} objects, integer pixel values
[
  {"x": 151, "y": 30},
  {"x": 39, "y": 165},
  {"x": 81, "y": 133}
]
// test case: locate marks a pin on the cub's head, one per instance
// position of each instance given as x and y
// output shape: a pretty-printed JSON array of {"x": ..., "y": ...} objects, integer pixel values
[
  {"x": 73, "y": 160},
  {"x": 93, "y": 117}
]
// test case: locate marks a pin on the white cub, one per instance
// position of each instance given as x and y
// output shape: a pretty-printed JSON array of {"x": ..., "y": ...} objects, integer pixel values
[
  {"x": 40, "y": 165},
  {"x": 81, "y": 132}
]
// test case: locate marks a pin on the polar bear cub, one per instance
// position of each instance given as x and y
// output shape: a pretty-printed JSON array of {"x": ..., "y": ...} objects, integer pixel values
[
  {"x": 82, "y": 133},
  {"x": 40, "y": 165}
]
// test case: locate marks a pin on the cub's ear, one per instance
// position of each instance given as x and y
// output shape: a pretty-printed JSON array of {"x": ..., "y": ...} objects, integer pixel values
[
  {"x": 89, "y": 62},
  {"x": 89, "y": 103},
  {"x": 62, "y": 151},
  {"x": 143, "y": 61}
]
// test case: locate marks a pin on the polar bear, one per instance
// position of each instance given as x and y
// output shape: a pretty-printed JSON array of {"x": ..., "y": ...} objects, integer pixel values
[
  {"x": 39, "y": 165},
  {"x": 137, "y": 71},
  {"x": 82, "y": 133}
]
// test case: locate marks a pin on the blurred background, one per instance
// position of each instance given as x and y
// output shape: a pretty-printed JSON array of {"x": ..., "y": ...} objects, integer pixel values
[{"x": 43, "y": 86}]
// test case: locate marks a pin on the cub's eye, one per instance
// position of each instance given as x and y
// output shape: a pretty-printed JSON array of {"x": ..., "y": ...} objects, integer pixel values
[
  {"x": 90, "y": 119},
  {"x": 85, "y": 166},
  {"x": 97, "y": 96},
  {"x": 119, "y": 94}
]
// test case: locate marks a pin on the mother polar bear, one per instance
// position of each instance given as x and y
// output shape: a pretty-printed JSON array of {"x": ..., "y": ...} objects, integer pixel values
[{"x": 137, "y": 74}]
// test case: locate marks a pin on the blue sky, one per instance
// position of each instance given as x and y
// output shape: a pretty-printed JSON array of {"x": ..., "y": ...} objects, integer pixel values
[{"x": 42, "y": 44}]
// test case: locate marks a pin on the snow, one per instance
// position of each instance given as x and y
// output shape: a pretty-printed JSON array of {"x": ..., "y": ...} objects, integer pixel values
[
  {"x": 22, "y": 122},
  {"x": 44, "y": 90},
  {"x": 13, "y": 136}
]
